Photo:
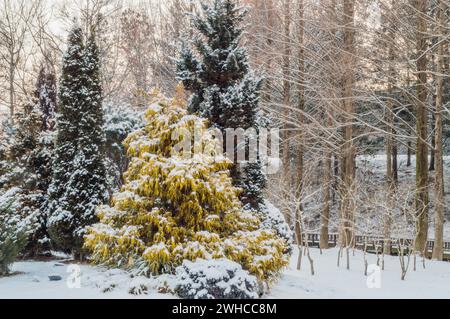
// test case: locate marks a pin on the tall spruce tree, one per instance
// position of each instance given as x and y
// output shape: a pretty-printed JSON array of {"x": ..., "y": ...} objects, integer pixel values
[
  {"x": 29, "y": 159},
  {"x": 40, "y": 160},
  {"x": 224, "y": 90},
  {"x": 79, "y": 178}
]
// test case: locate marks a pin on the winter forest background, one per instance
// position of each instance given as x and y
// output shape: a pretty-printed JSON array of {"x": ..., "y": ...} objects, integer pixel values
[{"x": 96, "y": 96}]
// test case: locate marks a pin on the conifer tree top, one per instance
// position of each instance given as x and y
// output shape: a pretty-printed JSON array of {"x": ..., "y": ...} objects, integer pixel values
[
  {"x": 222, "y": 60},
  {"x": 223, "y": 88}
]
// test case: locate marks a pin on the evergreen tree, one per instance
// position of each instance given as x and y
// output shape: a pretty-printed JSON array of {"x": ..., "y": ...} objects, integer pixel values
[
  {"x": 27, "y": 161},
  {"x": 79, "y": 178},
  {"x": 120, "y": 121},
  {"x": 31, "y": 155},
  {"x": 223, "y": 88},
  {"x": 173, "y": 208},
  {"x": 46, "y": 94},
  {"x": 39, "y": 162}
]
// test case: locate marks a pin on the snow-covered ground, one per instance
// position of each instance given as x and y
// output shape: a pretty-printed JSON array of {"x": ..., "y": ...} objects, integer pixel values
[
  {"x": 77, "y": 281},
  {"x": 333, "y": 282},
  {"x": 328, "y": 282}
]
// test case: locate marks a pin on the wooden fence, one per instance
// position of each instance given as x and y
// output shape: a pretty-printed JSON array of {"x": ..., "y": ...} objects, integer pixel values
[{"x": 374, "y": 244}]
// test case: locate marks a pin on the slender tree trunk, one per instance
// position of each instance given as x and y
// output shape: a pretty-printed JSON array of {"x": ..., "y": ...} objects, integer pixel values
[
  {"x": 335, "y": 177},
  {"x": 410, "y": 110},
  {"x": 389, "y": 176},
  {"x": 328, "y": 179},
  {"x": 433, "y": 144},
  {"x": 11, "y": 88},
  {"x": 409, "y": 153},
  {"x": 422, "y": 197},
  {"x": 287, "y": 90},
  {"x": 348, "y": 149},
  {"x": 286, "y": 174},
  {"x": 298, "y": 183},
  {"x": 391, "y": 156},
  {"x": 325, "y": 217},
  {"x": 438, "y": 250},
  {"x": 394, "y": 158},
  {"x": 266, "y": 95}
]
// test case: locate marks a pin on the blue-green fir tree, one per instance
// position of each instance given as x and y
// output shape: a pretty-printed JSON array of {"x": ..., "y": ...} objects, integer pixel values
[{"x": 215, "y": 69}]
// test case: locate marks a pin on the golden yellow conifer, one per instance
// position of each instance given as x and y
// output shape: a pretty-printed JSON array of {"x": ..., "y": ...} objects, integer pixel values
[{"x": 175, "y": 207}]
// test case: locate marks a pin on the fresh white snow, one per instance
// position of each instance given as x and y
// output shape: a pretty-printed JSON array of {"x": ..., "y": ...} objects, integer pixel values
[
  {"x": 333, "y": 282},
  {"x": 328, "y": 282},
  {"x": 94, "y": 283}
]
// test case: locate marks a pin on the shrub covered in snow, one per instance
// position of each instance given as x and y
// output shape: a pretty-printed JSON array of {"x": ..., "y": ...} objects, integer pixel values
[
  {"x": 272, "y": 218},
  {"x": 14, "y": 229},
  {"x": 215, "y": 279}
]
